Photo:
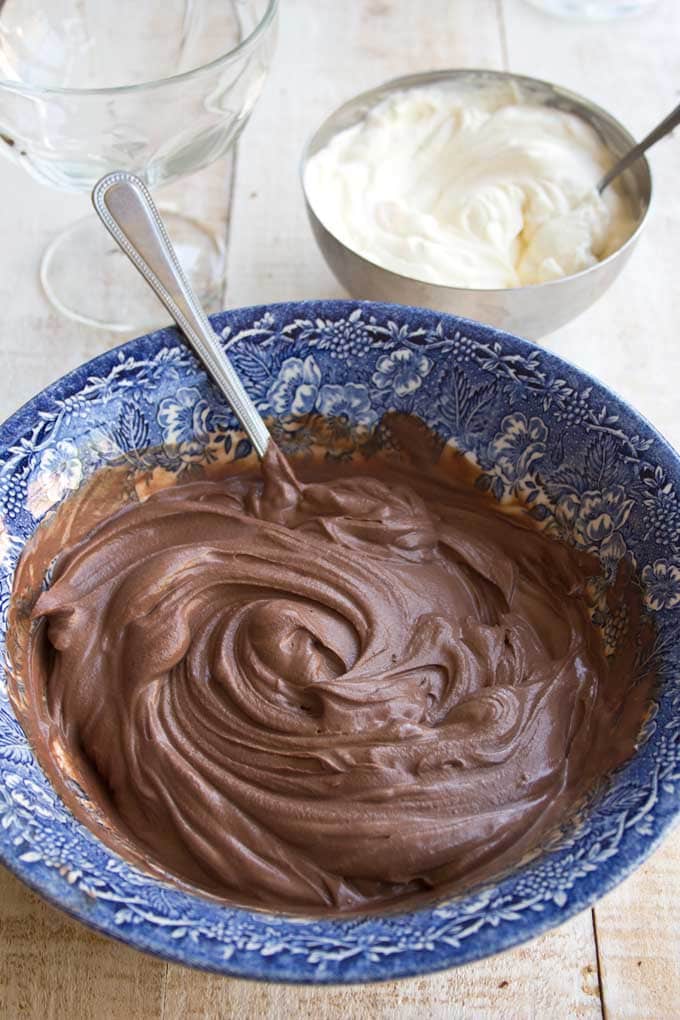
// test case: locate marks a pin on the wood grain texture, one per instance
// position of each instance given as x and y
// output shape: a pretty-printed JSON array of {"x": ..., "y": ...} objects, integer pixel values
[
  {"x": 554, "y": 976},
  {"x": 629, "y": 339},
  {"x": 638, "y": 930},
  {"x": 52, "y": 967}
]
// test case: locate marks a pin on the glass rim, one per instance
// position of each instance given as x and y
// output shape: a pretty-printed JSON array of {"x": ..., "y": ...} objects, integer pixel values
[{"x": 24, "y": 88}]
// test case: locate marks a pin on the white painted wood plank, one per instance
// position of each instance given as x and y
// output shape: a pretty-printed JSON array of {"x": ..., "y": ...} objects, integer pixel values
[
  {"x": 638, "y": 930},
  {"x": 52, "y": 967},
  {"x": 629, "y": 339},
  {"x": 632, "y": 68},
  {"x": 553, "y": 977}
]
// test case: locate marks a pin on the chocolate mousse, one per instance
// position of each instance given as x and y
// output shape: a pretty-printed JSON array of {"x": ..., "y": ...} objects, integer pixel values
[{"x": 320, "y": 695}]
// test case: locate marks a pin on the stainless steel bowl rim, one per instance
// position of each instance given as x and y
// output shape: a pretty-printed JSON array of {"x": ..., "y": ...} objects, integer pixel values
[{"x": 371, "y": 96}]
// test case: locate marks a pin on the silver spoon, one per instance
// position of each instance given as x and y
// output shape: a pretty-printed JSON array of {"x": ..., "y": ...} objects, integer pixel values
[
  {"x": 127, "y": 210},
  {"x": 666, "y": 126}
]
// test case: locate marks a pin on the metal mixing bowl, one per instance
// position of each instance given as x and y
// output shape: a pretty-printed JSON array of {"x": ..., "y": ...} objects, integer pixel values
[{"x": 530, "y": 311}]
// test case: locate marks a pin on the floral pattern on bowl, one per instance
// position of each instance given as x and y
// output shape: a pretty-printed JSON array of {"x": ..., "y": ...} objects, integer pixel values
[{"x": 578, "y": 460}]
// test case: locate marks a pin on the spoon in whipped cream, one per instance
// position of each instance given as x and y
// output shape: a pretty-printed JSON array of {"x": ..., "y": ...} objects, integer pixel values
[
  {"x": 656, "y": 134},
  {"x": 125, "y": 207}
]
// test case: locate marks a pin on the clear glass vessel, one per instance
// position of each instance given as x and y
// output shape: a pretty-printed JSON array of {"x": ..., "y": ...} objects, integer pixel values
[
  {"x": 162, "y": 90},
  {"x": 593, "y": 10}
]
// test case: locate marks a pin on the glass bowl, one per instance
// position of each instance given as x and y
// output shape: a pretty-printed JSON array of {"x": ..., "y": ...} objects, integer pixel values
[{"x": 161, "y": 91}]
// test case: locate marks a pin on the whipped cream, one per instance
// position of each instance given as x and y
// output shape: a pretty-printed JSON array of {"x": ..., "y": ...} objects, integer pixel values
[{"x": 470, "y": 189}]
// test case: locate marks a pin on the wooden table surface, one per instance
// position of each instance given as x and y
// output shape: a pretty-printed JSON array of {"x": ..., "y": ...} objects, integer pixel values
[{"x": 621, "y": 959}]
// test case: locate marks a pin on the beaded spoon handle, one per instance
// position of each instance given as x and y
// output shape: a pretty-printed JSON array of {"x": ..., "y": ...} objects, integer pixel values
[{"x": 128, "y": 212}]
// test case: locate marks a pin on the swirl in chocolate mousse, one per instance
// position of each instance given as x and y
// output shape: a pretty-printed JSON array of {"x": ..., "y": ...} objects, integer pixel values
[{"x": 326, "y": 695}]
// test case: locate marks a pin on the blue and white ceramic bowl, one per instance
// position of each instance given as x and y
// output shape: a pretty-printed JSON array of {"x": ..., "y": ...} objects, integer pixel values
[{"x": 582, "y": 463}]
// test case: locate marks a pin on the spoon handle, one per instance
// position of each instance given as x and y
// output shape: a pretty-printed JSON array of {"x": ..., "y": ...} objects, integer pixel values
[
  {"x": 127, "y": 210},
  {"x": 664, "y": 128}
]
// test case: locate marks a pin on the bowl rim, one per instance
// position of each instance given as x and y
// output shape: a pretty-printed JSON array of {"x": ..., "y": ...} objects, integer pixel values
[
  {"x": 501, "y": 937},
  {"x": 405, "y": 82},
  {"x": 241, "y": 48}
]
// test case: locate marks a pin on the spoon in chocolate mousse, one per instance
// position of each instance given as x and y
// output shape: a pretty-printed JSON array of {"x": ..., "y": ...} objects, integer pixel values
[{"x": 125, "y": 207}]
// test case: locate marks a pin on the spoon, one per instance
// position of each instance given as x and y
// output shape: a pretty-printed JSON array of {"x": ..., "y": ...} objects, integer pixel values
[
  {"x": 125, "y": 207},
  {"x": 666, "y": 126}
]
